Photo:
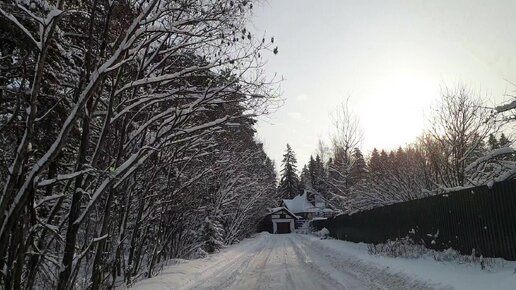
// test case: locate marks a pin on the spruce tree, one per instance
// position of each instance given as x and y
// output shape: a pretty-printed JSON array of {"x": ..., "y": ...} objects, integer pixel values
[
  {"x": 391, "y": 162},
  {"x": 320, "y": 182},
  {"x": 375, "y": 164},
  {"x": 289, "y": 182},
  {"x": 478, "y": 151},
  {"x": 358, "y": 170},
  {"x": 503, "y": 141},
  {"x": 339, "y": 171},
  {"x": 305, "y": 180},
  {"x": 493, "y": 143},
  {"x": 384, "y": 161},
  {"x": 400, "y": 158},
  {"x": 312, "y": 170},
  {"x": 317, "y": 175},
  {"x": 212, "y": 234}
]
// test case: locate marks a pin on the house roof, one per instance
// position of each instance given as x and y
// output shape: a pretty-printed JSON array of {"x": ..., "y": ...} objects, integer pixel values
[
  {"x": 276, "y": 209},
  {"x": 299, "y": 204}
]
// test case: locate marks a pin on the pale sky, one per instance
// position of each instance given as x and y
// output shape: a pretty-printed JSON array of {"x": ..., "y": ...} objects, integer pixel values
[{"x": 389, "y": 57}]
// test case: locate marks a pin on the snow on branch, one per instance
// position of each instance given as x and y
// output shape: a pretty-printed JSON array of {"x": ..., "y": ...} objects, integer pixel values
[
  {"x": 62, "y": 177},
  {"x": 490, "y": 156},
  {"x": 497, "y": 165},
  {"x": 25, "y": 31},
  {"x": 507, "y": 107}
]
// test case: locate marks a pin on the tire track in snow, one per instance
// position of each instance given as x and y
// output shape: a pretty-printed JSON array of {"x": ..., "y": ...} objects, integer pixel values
[
  {"x": 253, "y": 272},
  {"x": 241, "y": 274},
  {"x": 224, "y": 264},
  {"x": 311, "y": 262},
  {"x": 343, "y": 277},
  {"x": 291, "y": 269}
]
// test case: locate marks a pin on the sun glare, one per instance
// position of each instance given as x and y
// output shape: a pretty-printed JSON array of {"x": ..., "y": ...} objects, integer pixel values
[{"x": 394, "y": 107}]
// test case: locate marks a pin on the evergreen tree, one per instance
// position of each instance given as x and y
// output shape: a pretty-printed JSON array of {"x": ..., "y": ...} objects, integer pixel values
[
  {"x": 270, "y": 169},
  {"x": 478, "y": 151},
  {"x": 320, "y": 181},
  {"x": 375, "y": 164},
  {"x": 312, "y": 170},
  {"x": 338, "y": 172},
  {"x": 316, "y": 175},
  {"x": 391, "y": 162},
  {"x": 305, "y": 180},
  {"x": 384, "y": 161},
  {"x": 289, "y": 183},
  {"x": 212, "y": 234},
  {"x": 503, "y": 141},
  {"x": 400, "y": 159},
  {"x": 492, "y": 142},
  {"x": 358, "y": 169}
]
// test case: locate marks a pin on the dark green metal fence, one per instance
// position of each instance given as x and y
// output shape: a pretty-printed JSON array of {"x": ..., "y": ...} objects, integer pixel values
[{"x": 479, "y": 218}]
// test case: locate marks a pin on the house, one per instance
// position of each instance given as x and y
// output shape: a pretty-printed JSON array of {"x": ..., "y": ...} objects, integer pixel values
[
  {"x": 306, "y": 210},
  {"x": 278, "y": 221}
]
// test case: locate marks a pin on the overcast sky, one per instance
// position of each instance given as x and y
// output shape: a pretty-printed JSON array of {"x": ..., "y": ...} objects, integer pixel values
[{"x": 389, "y": 57}]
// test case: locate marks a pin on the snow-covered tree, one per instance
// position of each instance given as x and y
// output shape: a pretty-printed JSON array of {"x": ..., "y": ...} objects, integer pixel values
[
  {"x": 398, "y": 176},
  {"x": 319, "y": 176},
  {"x": 374, "y": 164},
  {"x": 358, "y": 169},
  {"x": 212, "y": 235},
  {"x": 492, "y": 142},
  {"x": 460, "y": 126},
  {"x": 305, "y": 178},
  {"x": 289, "y": 182},
  {"x": 498, "y": 163},
  {"x": 504, "y": 141},
  {"x": 114, "y": 126},
  {"x": 346, "y": 135}
]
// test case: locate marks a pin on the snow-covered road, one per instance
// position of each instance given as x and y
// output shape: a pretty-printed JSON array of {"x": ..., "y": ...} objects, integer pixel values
[{"x": 289, "y": 261}]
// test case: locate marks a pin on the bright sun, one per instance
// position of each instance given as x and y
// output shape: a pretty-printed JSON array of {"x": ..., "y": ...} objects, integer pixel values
[{"x": 393, "y": 112}]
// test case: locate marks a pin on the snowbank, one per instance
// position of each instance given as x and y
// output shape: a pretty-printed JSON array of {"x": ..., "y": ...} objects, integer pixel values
[{"x": 447, "y": 274}]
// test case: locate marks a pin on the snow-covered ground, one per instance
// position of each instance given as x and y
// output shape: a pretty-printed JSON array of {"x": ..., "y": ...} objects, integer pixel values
[{"x": 297, "y": 261}]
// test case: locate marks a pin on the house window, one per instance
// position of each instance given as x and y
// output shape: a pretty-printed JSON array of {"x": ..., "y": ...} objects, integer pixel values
[{"x": 282, "y": 216}]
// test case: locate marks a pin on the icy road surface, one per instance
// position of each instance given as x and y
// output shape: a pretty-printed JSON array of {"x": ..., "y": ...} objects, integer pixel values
[{"x": 289, "y": 261}]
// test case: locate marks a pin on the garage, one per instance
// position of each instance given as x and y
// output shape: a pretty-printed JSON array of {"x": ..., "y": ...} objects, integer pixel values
[
  {"x": 283, "y": 228},
  {"x": 279, "y": 220},
  {"x": 283, "y": 221}
]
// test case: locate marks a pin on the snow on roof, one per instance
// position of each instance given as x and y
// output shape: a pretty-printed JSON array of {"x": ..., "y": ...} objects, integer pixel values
[
  {"x": 319, "y": 218},
  {"x": 299, "y": 204},
  {"x": 273, "y": 210},
  {"x": 276, "y": 209}
]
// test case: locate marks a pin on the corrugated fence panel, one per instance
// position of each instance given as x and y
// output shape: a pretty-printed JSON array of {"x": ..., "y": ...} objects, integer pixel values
[{"x": 479, "y": 218}]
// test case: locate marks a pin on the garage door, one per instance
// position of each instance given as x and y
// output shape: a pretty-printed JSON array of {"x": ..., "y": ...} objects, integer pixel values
[{"x": 283, "y": 228}]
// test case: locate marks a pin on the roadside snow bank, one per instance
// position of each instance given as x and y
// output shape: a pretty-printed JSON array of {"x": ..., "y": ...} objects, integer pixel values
[
  {"x": 445, "y": 274},
  {"x": 323, "y": 233}
]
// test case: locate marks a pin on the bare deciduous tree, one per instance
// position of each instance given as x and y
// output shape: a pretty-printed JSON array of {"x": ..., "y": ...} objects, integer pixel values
[
  {"x": 460, "y": 126},
  {"x": 346, "y": 135}
]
